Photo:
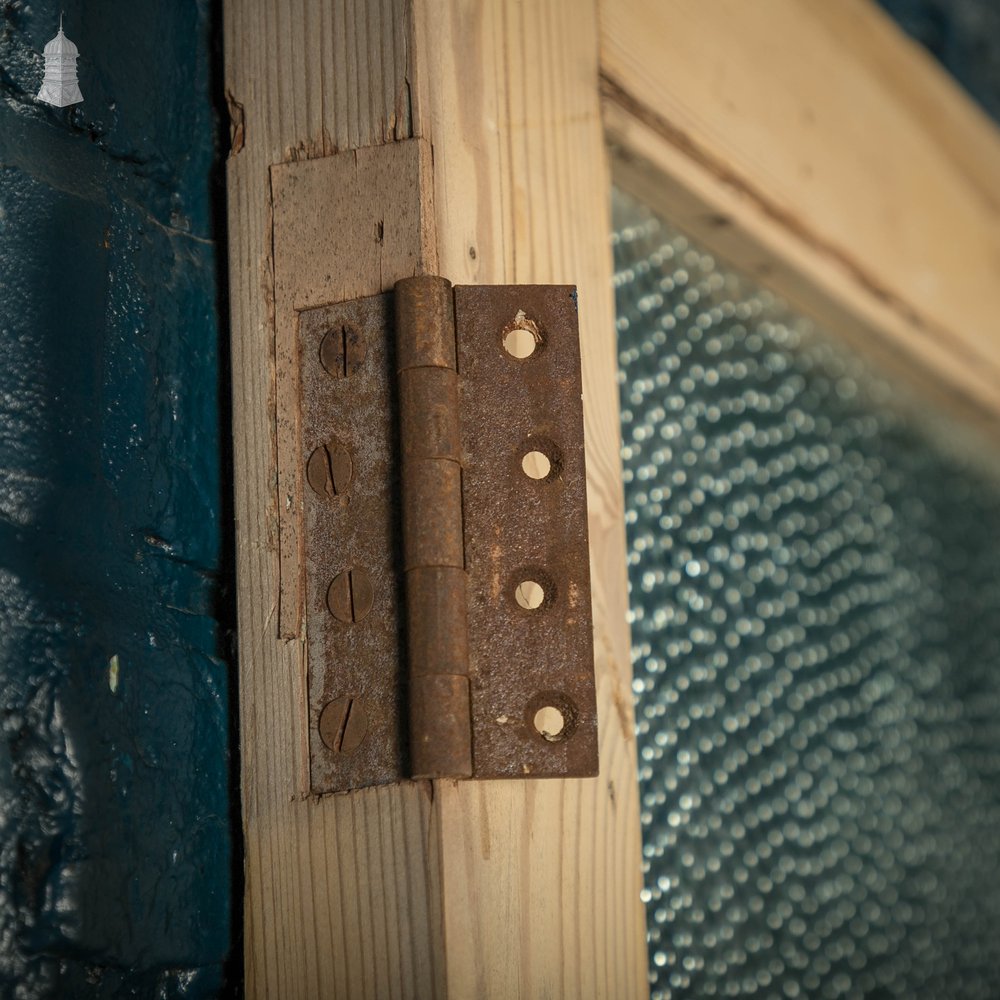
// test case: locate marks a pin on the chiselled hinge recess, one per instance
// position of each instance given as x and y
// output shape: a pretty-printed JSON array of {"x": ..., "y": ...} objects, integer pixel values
[{"x": 447, "y": 580}]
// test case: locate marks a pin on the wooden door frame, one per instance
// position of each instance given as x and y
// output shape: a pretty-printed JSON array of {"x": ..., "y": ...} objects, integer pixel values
[
  {"x": 531, "y": 889},
  {"x": 817, "y": 148}
]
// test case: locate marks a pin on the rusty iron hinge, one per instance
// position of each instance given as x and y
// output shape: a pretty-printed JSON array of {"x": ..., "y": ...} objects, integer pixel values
[{"x": 447, "y": 580}]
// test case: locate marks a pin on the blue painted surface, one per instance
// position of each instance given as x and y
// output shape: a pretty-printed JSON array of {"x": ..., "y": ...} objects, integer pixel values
[
  {"x": 963, "y": 35},
  {"x": 115, "y": 842}
]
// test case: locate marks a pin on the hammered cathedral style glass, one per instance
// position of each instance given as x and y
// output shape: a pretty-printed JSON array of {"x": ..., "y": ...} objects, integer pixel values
[{"x": 815, "y": 600}]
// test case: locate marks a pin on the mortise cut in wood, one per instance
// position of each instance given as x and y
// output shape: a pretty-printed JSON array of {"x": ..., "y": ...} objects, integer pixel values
[
  {"x": 357, "y": 520},
  {"x": 356, "y": 219}
]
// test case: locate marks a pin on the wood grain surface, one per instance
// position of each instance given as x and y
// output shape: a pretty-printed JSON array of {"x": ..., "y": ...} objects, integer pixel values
[
  {"x": 541, "y": 879},
  {"x": 456, "y": 889},
  {"x": 816, "y": 146}
]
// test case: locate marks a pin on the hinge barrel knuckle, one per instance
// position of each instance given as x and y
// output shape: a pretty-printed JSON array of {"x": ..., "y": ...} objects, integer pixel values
[
  {"x": 440, "y": 740},
  {"x": 433, "y": 393},
  {"x": 432, "y": 513},
  {"x": 433, "y": 545},
  {"x": 425, "y": 309}
]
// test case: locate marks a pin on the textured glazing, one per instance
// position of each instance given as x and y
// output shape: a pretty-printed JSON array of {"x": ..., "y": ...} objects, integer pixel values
[{"x": 816, "y": 634}]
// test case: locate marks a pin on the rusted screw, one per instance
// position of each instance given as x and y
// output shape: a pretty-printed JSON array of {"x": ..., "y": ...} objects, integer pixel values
[
  {"x": 343, "y": 724},
  {"x": 330, "y": 469},
  {"x": 350, "y": 596},
  {"x": 342, "y": 351}
]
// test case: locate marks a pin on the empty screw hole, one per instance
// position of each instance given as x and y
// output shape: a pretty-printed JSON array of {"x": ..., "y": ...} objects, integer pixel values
[
  {"x": 550, "y": 723},
  {"x": 520, "y": 342},
  {"x": 529, "y": 594},
  {"x": 536, "y": 465}
]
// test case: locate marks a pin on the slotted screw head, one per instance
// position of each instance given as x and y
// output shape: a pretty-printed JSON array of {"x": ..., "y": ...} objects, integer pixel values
[
  {"x": 350, "y": 596},
  {"x": 330, "y": 470},
  {"x": 342, "y": 351},
  {"x": 343, "y": 724}
]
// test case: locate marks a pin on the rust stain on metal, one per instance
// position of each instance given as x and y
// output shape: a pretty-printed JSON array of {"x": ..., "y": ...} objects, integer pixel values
[
  {"x": 342, "y": 350},
  {"x": 351, "y": 546},
  {"x": 518, "y": 528},
  {"x": 433, "y": 552},
  {"x": 350, "y": 596},
  {"x": 445, "y": 463},
  {"x": 330, "y": 470},
  {"x": 343, "y": 725}
]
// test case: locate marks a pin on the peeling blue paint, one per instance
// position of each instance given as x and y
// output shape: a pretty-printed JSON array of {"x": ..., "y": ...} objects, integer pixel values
[{"x": 115, "y": 842}]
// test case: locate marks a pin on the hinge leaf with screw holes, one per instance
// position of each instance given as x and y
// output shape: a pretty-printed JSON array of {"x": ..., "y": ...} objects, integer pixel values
[{"x": 444, "y": 521}]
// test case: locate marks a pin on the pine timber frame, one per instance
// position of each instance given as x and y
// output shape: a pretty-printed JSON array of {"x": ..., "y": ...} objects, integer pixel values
[{"x": 810, "y": 143}]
